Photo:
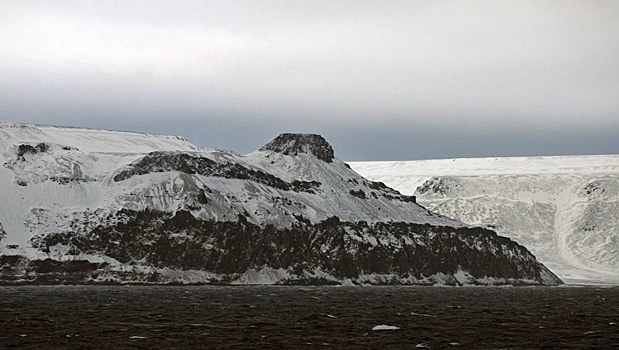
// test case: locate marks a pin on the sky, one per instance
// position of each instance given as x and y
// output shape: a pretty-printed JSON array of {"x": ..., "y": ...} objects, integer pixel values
[{"x": 380, "y": 80}]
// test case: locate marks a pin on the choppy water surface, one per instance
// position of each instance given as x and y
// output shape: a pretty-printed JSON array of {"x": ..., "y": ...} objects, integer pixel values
[{"x": 155, "y": 317}]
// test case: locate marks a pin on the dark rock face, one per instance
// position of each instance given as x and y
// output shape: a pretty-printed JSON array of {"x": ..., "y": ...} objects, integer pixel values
[
  {"x": 358, "y": 193},
  {"x": 157, "y": 162},
  {"x": 293, "y": 144},
  {"x": 2, "y": 232},
  {"x": 15, "y": 269},
  {"x": 30, "y": 149},
  {"x": 381, "y": 190},
  {"x": 342, "y": 249},
  {"x": 594, "y": 188},
  {"x": 439, "y": 185}
]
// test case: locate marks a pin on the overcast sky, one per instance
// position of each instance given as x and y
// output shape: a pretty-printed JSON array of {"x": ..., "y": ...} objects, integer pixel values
[{"x": 381, "y": 80}]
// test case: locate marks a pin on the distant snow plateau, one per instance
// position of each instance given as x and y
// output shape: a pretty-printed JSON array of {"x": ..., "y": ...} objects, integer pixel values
[{"x": 565, "y": 209}]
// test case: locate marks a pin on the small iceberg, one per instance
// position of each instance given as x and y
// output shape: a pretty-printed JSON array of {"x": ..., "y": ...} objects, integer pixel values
[{"x": 384, "y": 327}]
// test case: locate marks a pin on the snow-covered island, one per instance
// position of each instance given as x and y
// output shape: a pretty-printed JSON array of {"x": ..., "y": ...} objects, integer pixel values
[{"x": 96, "y": 206}]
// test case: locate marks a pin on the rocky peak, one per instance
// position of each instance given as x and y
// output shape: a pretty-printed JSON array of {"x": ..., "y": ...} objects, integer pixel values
[{"x": 293, "y": 144}]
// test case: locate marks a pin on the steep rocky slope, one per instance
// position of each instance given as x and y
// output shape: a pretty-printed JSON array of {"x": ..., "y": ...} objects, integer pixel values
[
  {"x": 564, "y": 209},
  {"x": 93, "y": 206}
]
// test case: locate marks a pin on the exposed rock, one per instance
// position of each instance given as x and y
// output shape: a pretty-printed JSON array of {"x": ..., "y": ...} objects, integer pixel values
[
  {"x": 390, "y": 193},
  {"x": 16, "y": 269},
  {"x": 293, "y": 144},
  {"x": 439, "y": 186},
  {"x": 24, "y": 149},
  {"x": 358, "y": 193},
  {"x": 157, "y": 162},
  {"x": 380, "y": 253}
]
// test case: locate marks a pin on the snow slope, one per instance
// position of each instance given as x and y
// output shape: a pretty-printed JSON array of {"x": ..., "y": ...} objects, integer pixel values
[
  {"x": 564, "y": 209},
  {"x": 57, "y": 179},
  {"x": 84, "y": 154}
]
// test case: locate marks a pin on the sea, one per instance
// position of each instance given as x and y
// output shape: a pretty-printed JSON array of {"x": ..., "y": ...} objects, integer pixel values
[{"x": 294, "y": 317}]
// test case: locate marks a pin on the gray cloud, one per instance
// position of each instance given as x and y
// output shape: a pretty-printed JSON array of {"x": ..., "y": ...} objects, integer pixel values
[{"x": 475, "y": 78}]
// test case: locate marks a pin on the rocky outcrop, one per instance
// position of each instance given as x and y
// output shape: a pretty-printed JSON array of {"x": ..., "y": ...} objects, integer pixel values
[
  {"x": 24, "y": 149},
  {"x": 439, "y": 185},
  {"x": 158, "y": 162},
  {"x": 293, "y": 144},
  {"x": 16, "y": 269},
  {"x": 379, "y": 253}
]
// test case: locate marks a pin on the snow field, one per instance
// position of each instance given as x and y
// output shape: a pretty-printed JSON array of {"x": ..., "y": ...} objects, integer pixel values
[{"x": 564, "y": 209}]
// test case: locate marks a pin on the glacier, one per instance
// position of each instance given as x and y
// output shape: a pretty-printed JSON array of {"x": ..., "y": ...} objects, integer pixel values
[{"x": 565, "y": 209}]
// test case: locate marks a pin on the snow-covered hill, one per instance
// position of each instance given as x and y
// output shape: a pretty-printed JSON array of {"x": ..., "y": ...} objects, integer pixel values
[
  {"x": 134, "y": 206},
  {"x": 60, "y": 172},
  {"x": 564, "y": 209}
]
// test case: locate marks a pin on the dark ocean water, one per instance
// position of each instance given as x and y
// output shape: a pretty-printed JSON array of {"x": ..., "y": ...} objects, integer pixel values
[{"x": 268, "y": 317}]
